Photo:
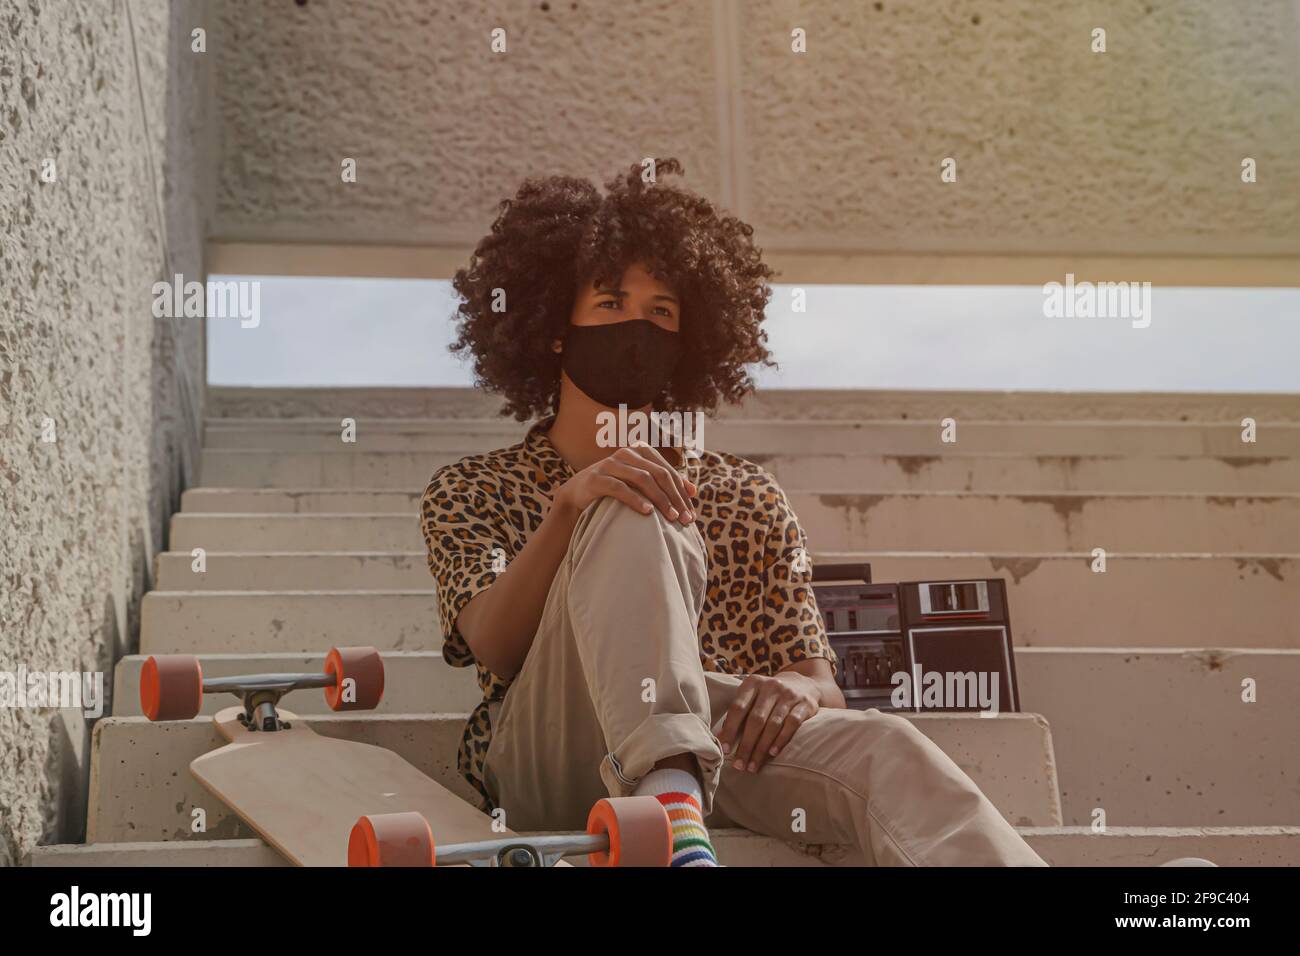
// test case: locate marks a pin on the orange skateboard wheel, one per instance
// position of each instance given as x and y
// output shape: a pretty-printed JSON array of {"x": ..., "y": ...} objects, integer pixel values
[
  {"x": 365, "y": 668},
  {"x": 640, "y": 833},
  {"x": 171, "y": 687},
  {"x": 391, "y": 839}
]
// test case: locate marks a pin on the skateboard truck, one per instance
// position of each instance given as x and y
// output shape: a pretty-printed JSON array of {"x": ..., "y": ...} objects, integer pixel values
[
  {"x": 621, "y": 831},
  {"x": 172, "y": 687}
]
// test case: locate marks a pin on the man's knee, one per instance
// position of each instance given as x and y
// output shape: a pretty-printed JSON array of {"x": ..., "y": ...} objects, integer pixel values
[
  {"x": 902, "y": 732},
  {"x": 903, "y": 738},
  {"x": 927, "y": 764},
  {"x": 861, "y": 739},
  {"x": 614, "y": 528},
  {"x": 612, "y": 515}
]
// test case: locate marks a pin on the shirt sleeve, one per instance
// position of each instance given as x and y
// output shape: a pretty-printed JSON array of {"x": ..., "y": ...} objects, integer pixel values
[
  {"x": 467, "y": 549},
  {"x": 795, "y": 630}
]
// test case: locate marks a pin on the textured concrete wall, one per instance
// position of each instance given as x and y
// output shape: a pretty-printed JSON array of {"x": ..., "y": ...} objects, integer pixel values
[
  {"x": 440, "y": 127},
  {"x": 1135, "y": 150},
  {"x": 1058, "y": 149},
  {"x": 81, "y": 354}
]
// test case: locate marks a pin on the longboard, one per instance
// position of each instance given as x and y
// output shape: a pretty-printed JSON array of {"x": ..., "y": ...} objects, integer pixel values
[
  {"x": 302, "y": 792},
  {"x": 321, "y": 801}
]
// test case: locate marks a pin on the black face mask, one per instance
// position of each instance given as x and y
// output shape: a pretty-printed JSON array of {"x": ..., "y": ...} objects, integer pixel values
[{"x": 623, "y": 363}]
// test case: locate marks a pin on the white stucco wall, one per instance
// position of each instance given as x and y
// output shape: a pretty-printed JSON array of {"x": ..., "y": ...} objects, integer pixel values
[{"x": 80, "y": 353}]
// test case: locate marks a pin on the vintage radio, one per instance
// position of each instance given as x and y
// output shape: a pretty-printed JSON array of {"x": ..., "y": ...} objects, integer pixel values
[
  {"x": 864, "y": 625},
  {"x": 951, "y": 638}
]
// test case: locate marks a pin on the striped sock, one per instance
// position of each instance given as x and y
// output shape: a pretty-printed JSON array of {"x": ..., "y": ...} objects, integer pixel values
[
  {"x": 679, "y": 792},
  {"x": 691, "y": 846}
]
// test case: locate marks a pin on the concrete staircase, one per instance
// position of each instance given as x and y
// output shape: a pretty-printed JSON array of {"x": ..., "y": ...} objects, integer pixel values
[{"x": 1131, "y": 679}]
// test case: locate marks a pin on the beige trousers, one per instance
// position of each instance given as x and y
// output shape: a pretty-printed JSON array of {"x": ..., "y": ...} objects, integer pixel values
[{"x": 613, "y": 683}]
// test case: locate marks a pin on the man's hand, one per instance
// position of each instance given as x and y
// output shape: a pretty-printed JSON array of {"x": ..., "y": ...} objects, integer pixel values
[
  {"x": 764, "y": 715},
  {"x": 637, "y": 475}
]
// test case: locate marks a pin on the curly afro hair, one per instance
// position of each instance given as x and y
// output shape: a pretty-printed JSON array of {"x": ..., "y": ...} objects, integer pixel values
[{"x": 559, "y": 232}]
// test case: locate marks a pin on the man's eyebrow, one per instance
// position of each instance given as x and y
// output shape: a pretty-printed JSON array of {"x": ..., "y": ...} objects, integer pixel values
[{"x": 620, "y": 294}]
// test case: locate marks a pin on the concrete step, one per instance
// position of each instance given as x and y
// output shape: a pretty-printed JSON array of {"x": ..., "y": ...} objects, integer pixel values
[
  {"x": 167, "y": 853},
  {"x": 1074, "y": 521},
  {"x": 1059, "y": 846},
  {"x": 342, "y": 469},
  {"x": 1162, "y": 736},
  {"x": 304, "y": 532},
  {"x": 463, "y": 435},
  {"x": 1092, "y": 610},
  {"x": 133, "y": 799},
  {"x": 299, "y": 501},
  {"x": 302, "y": 571},
  {"x": 229, "y": 622},
  {"x": 1056, "y": 599},
  {"x": 1201, "y": 755},
  {"x": 767, "y": 436},
  {"x": 922, "y": 521},
  {"x": 857, "y": 404},
  {"x": 410, "y": 471}
]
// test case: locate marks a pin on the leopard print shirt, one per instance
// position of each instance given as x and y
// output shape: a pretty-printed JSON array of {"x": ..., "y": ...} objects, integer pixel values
[{"x": 759, "y": 611}]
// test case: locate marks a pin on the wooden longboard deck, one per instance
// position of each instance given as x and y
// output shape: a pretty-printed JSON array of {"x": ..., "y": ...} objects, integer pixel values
[{"x": 302, "y": 792}]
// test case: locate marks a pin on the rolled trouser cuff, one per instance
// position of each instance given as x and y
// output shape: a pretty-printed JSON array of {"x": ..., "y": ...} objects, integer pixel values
[{"x": 657, "y": 737}]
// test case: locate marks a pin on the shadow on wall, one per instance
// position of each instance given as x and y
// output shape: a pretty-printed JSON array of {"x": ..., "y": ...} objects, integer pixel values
[{"x": 66, "y": 774}]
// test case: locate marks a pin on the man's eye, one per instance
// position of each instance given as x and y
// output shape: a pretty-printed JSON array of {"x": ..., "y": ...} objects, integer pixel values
[{"x": 613, "y": 302}]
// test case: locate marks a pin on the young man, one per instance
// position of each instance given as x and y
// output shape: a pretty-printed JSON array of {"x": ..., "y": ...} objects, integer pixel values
[{"x": 642, "y": 620}]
